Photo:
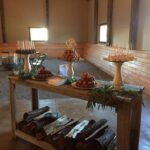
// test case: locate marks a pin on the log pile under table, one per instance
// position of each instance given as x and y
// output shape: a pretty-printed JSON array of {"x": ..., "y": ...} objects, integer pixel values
[{"x": 66, "y": 133}]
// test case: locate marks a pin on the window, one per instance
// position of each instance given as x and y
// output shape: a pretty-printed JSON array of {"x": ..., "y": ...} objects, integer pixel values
[
  {"x": 38, "y": 34},
  {"x": 103, "y": 29}
]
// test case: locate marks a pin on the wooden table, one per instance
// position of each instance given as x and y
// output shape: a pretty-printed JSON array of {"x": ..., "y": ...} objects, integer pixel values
[{"x": 128, "y": 114}]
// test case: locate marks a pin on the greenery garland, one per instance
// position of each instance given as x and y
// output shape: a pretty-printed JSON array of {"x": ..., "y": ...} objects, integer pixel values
[
  {"x": 26, "y": 75},
  {"x": 108, "y": 96}
]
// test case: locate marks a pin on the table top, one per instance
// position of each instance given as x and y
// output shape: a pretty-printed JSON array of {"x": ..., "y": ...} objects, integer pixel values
[{"x": 68, "y": 90}]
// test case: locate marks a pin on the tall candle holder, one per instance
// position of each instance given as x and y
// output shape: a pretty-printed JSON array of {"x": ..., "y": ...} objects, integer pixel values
[
  {"x": 26, "y": 56},
  {"x": 25, "y": 49}
]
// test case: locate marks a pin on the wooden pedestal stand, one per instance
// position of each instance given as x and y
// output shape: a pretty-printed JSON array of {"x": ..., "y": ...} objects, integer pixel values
[
  {"x": 117, "y": 81},
  {"x": 70, "y": 70},
  {"x": 26, "y": 65}
]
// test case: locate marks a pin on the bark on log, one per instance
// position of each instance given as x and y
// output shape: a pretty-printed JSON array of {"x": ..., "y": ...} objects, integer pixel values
[
  {"x": 47, "y": 119},
  {"x": 26, "y": 127},
  {"x": 56, "y": 126},
  {"x": 105, "y": 139},
  {"x": 59, "y": 139},
  {"x": 90, "y": 130},
  {"x": 77, "y": 129},
  {"x": 97, "y": 133},
  {"x": 112, "y": 144},
  {"x": 100, "y": 143},
  {"x": 28, "y": 116},
  {"x": 34, "y": 126},
  {"x": 91, "y": 122},
  {"x": 64, "y": 142}
]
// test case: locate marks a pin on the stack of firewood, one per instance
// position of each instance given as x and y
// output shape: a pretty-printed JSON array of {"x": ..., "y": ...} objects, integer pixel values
[{"x": 66, "y": 133}]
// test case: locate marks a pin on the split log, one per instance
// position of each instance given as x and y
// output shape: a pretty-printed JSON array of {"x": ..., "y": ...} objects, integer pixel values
[
  {"x": 64, "y": 142},
  {"x": 26, "y": 127},
  {"x": 28, "y": 116},
  {"x": 35, "y": 125},
  {"x": 91, "y": 122},
  {"x": 46, "y": 119},
  {"x": 68, "y": 128},
  {"x": 59, "y": 140},
  {"x": 97, "y": 133},
  {"x": 81, "y": 136},
  {"x": 112, "y": 144},
  {"x": 56, "y": 126},
  {"x": 105, "y": 139},
  {"x": 77, "y": 129},
  {"x": 100, "y": 143},
  {"x": 51, "y": 129}
]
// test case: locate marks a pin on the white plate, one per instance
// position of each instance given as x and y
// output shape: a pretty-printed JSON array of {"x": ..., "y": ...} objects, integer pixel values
[{"x": 74, "y": 85}]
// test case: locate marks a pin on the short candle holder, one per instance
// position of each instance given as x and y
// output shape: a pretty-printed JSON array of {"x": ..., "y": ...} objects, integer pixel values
[{"x": 117, "y": 80}]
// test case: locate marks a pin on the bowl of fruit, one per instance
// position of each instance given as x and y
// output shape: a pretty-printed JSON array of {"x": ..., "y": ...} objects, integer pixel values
[
  {"x": 42, "y": 74},
  {"x": 70, "y": 55},
  {"x": 87, "y": 81}
]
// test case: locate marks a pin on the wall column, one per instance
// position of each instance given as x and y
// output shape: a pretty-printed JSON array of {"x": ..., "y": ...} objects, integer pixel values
[
  {"x": 96, "y": 21},
  {"x": 109, "y": 21},
  {"x": 133, "y": 24},
  {"x": 47, "y": 12},
  {"x": 2, "y": 21}
]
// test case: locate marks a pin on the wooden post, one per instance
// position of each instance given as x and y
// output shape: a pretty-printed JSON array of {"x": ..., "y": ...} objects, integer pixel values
[
  {"x": 96, "y": 21},
  {"x": 123, "y": 126},
  {"x": 47, "y": 12},
  {"x": 35, "y": 104},
  {"x": 13, "y": 107},
  {"x": 109, "y": 21},
  {"x": 135, "y": 124},
  {"x": 133, "y": 24}
]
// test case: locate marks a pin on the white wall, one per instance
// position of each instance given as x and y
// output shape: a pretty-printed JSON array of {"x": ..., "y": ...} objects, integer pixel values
[
  {"x": 143, "y": 37},
  {"x": 121, "y": 22},
  {"x": 102, "y": 11},
  {"x": 74, "y": 18},
  {"x": 68, "y": 18},
  {"x": 91, "y": 38},
  {"x": 20, "y": 15}
]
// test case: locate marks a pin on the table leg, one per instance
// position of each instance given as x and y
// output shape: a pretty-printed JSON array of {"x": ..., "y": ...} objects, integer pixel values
[
  {"x": 136, "y": 122},
  {"x": 35, "y": 103},
  {"x": 124, "y": 126},
  {"x": 13, "y": 107}
]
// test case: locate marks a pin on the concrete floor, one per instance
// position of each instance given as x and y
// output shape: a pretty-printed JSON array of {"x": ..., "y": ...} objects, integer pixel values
[{"x": 70, "y": 106}]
